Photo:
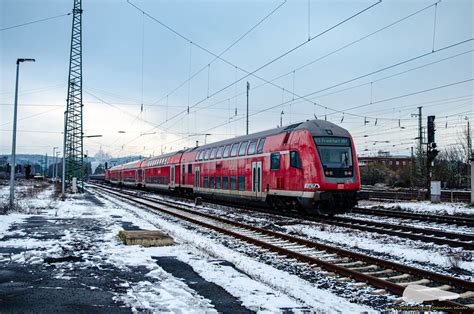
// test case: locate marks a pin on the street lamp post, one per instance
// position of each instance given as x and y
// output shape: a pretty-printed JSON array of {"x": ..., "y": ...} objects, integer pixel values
[
  {"x": 15, "y": 106},
  {"x": 54, "y": 160},
  {"x": 56, "y": 166}
]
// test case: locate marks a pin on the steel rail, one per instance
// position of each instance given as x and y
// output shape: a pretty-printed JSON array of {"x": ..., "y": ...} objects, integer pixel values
[
  {"x": 465, "y": 241},
  {"x": 453, "y": 220},
  {"x": 427, "y": 235},
  {"x": 347, "y": 272}
]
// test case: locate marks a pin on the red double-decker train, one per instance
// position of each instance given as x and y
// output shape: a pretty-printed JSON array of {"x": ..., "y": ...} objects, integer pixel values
[{"x": 310, "y": 166}]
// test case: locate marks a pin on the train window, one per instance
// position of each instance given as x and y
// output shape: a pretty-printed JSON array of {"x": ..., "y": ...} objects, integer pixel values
[
  {"x": 201, "y": 155},
  {"x": 206, "y": 182},
  {"x": 252, "y": 146},
  {"x": 225, "y": 183},
  {"x": 275, "y": 161},
  {"x": 226, "y": 151},
  {"x": 197, "y": 156},
  {"x": 295, "y": 160},
  {"x": 213, "y": 153},
  {"x": 233, "y": 185},
  {"x": 218, "y": 182},
  {"x": 233, "y": 151},
  {"x": 211, "y": 182},
  {"x": 219, "y": 152},
  {"x": 208, "y": 152},
  {"x": 260, "y": 145},
  {"x": 243, "y": 148},
  {"x": 241, "y": 183},
  {"x": 190, "y": 168}
]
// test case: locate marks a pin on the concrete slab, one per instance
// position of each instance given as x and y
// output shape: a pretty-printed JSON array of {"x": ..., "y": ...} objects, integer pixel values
[{"x": 147, "y": 238}]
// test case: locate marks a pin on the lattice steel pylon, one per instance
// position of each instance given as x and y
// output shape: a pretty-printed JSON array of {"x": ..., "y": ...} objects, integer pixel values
[{"x": 73, "y": 129}]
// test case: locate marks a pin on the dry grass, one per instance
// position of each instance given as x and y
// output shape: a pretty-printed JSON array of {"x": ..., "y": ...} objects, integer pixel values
[
  {"x": 455, "y": 257},
  {"x": 25, "y": 190}
]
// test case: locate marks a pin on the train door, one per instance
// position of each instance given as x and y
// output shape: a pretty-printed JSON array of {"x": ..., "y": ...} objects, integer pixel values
[
  {"x": 143, "y": 177},
  {"x": 183, "y": 168},
  {"x": 197, "y": 176},
  {"x": 257, "y": 178},
  {"x": 137, "y": 179},
  {"x": 172, "y": 176}
]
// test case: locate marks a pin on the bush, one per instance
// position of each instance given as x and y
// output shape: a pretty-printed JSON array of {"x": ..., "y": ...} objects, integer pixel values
[{"x": 377, "y": 173}]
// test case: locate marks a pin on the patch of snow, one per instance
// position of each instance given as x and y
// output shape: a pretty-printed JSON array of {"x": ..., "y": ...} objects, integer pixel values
[
  {"x": 423, "y": 207},
  {"x": 281, "y": 282}
]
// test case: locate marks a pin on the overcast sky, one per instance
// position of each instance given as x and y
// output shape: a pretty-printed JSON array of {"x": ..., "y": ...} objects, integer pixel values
[{"x": 130, "y": 59}]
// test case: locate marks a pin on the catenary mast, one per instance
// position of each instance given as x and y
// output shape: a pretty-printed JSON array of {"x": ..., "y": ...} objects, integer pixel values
[{"x": 74, "y": 152}]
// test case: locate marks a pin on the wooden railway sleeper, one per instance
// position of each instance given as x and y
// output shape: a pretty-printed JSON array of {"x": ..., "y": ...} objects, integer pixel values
[
  {"x": 402, "y": 276},
  {"x": 385, "y": 271},
  {"x": 417, "y": 282}
]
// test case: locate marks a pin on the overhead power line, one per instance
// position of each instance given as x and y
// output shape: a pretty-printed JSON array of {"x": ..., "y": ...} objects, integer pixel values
[
  {"x": 304, "y": 98},
  {"x": 333, "y": 52},
  {"x": 220, "y": 54},
  {"x": 34, "y": 22},
  {"x": 249, "y": 73}
]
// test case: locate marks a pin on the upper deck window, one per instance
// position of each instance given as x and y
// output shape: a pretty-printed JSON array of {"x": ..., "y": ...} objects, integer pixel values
[
  {"x": 213, "y": 153},
  {"x": 243, "y": 148},
  {"x": 206, "y": 156},
  {"x": 233, "y": 152},
  {"x": 219, "y": 152},
  {"x": 252, "y": 146},
  {"x": 260, "y": 145},
  {"x": 226, "y": 151}
]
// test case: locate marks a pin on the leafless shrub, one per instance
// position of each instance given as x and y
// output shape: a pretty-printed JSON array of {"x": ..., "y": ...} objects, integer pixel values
[{"x": 455, "y": 257}]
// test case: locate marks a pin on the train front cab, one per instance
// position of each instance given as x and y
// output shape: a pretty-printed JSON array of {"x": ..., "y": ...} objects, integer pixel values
[{"x": 333, "y": 174}]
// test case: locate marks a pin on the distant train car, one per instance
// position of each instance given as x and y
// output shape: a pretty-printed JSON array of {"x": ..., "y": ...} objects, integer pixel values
[
  {"x": 307, "y": 166},
  {"x": 161, "y": 173}
]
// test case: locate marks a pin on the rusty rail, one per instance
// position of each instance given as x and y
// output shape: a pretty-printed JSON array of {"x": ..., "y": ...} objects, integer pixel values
[{"x": 347, "y": 272}]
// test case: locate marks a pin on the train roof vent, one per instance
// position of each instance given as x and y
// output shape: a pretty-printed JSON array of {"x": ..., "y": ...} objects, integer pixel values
[{"x": 292, "y": 126}]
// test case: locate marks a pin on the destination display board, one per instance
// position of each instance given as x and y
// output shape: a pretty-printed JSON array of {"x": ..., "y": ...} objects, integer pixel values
[{"x": 331, "y": 141}]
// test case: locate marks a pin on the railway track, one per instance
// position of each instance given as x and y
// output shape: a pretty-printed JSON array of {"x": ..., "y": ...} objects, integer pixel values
[
  {"x": 428, "y": 235},
  {"x": 445, "y": 219},
  {"x": 360, "y": 269},
  {"x": 418, "y": 195}
]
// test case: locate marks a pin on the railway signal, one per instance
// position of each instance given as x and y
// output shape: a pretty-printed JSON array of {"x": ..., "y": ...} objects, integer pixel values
[
  {"x": 431, "y": 129},
  {"x": 431, "y": 152}
]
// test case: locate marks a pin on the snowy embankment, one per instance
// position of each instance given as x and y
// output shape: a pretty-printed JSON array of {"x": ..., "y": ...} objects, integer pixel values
[
  {"x": 423, "y": 207},
  {"x": 258, "y": 286},
  {"x": 438, "y": 258}
]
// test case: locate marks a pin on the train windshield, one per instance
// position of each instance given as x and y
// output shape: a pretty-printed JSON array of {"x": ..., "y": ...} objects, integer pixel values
[{"x": 334, "y": 152}]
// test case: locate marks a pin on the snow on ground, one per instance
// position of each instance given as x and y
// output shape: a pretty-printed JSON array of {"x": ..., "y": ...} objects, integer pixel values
[
  {"x": 260, "y": 287},
  {"x": 419, "y": 254},
  {"x": 425, "y": 254},
  {"x": 269, "y": 296},
  {"x": 423, "y": 207},
  {"x": 413, "y": 223}
]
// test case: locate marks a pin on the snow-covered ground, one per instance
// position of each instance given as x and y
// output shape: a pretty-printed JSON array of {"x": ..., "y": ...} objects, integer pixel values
[
  {"x": 259, "y": 287},
  {"x": 423, "y": 207},
  {"x": 434, "y": 257}
]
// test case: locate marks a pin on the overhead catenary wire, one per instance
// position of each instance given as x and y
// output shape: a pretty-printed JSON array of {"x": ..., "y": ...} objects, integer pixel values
[
  {"x": 380, "y": 101},
  {"x": 344, "y": 46},
  {"x": 34, "y": 22},
  {"x": 215, "y": 57},
  {"x": 359, "y": 77},
  {"x": 249, "y": 73},
  {"x": 231, "y": 64}
]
